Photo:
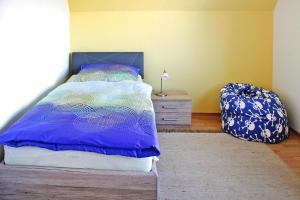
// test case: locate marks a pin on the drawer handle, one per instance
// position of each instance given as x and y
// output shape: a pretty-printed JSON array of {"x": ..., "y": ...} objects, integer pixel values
[
  {"x": 169, "y": 119},
  {"x": 169, "y": 107}
]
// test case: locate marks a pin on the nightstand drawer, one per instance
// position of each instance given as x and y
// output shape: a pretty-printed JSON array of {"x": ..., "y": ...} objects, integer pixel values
[
  {"x": 173, "y": 118},
  {"x": 172, "y": 106}
]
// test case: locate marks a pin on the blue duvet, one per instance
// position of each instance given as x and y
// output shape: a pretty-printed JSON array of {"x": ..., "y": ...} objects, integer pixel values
[{"x": 113, "y": 118}]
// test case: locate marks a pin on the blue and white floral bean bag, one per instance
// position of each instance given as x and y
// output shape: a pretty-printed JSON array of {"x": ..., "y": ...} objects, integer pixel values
[{"x": 253, "y": 113}]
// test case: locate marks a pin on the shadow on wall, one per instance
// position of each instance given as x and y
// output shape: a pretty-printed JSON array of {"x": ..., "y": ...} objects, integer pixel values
[{"x": 25, "y": 109}]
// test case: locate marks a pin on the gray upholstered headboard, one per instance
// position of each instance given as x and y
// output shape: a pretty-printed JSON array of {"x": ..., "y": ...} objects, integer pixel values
[{"x": 127, "y": 58}]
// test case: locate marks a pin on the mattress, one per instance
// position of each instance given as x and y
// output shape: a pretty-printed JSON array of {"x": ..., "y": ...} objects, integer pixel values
[{"x": 35, "y": 156}]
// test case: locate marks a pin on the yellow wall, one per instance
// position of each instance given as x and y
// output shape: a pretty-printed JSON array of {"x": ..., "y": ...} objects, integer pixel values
[{"x": 201, "y": 50}]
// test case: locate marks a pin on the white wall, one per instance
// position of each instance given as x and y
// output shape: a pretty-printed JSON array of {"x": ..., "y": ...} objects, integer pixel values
[
  {"x": 34, "y": 48},
  {"x": 34, "y": 53},
  {"x": 286, "y": 58}
]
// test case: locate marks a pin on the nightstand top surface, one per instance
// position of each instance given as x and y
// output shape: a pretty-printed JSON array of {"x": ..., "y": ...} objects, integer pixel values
[{"x": 172, "y": 95}]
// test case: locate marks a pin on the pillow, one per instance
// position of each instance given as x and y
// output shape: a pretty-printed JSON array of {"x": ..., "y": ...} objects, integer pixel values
[
  {"x": 106, "y": 72},
  {"x": 108, "y": 67}
]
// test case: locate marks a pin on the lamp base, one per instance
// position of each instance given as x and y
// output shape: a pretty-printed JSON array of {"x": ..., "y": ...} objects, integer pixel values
[{"x": 161, "y": 94}]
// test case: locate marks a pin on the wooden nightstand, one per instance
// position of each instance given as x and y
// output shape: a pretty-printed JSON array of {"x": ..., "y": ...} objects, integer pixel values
[{"x": 173, "y": 110}]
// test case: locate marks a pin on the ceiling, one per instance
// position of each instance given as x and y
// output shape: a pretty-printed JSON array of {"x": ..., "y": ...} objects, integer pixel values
[{"x": 170, "y": 5}]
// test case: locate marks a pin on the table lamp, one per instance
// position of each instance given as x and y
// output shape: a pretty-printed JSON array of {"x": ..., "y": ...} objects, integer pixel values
[{"x": 163, "y": 77}]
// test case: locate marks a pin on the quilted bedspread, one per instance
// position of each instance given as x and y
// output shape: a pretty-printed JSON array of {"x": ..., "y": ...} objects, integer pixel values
[{"x": 113, "y": 118}]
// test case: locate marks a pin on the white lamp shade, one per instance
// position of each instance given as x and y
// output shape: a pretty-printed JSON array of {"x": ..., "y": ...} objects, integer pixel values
[{"x": 165, "y": 75}]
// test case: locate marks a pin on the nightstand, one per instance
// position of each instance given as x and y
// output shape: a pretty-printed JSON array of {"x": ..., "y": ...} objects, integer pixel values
[{"x": 173, "y": 110}]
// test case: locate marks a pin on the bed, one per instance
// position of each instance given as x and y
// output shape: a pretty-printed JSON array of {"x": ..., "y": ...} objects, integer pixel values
[{"x": 88, "y": 138}]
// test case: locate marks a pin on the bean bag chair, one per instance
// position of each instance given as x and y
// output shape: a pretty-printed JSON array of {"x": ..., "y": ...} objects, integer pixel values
[{"x": 253, "y": 113}]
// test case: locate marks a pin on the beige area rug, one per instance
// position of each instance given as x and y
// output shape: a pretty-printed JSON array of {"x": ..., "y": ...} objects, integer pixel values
[{"x": 217, "y": 166}]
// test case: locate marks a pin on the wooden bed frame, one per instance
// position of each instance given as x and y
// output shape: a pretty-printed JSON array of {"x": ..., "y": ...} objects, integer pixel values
[{"x": 40, "y": 183}]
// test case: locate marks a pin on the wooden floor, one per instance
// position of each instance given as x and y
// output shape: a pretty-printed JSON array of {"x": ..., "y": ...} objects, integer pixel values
[
  {"x": 288, "y": 151},
  {"x": 210, "y": 122}
]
